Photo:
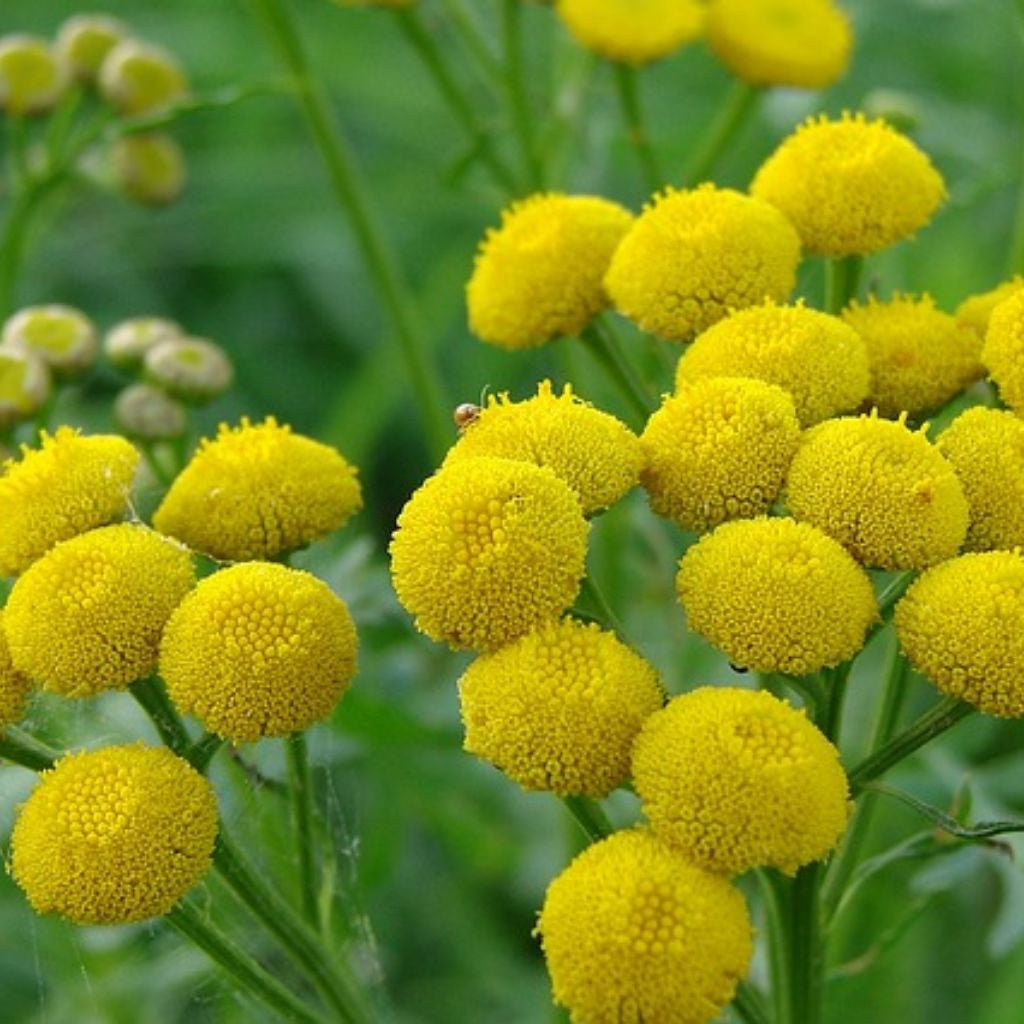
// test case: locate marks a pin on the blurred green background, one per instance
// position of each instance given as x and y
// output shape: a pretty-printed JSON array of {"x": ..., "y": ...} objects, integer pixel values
[{"x": 441, "y": 863}]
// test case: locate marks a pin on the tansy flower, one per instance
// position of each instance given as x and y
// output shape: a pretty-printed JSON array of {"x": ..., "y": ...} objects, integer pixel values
[
  {"x": 24, "y": 385},
  {"x": 538, "y": 276},
  {"x": 802, "y": 43},
  {"x": 149, "y": 168},
  {"x": 632, "y": 931},
  {"x": 487, "y": 550},
  {"x": 88, "y": 615},
  {"x": 986, "y": 449},
  {"x": 149, "y": 414},
  {"x": 192, "y": 369},
  {"x": 738, "y": 779},
  {"x": 775, "y": 595},
  {"x": 69, "y": 485},
  {"x": 962, "y": 625},
  {"x": 62, "y": 337},
  {"x": 632, "y": 31},
  {"x": 598, "y": 456},
  {"x": 14, "y": 686},
  {"x": 138, "y": 78},
  {"x": 851, "y": 185},
  {"x": 256, "y": 491},
  {"x": 32, "y": 76},
  {"x": 919, "y": 356},
  {"x": 375, "y": 3},
  {"x": 881, "y": 490},
  {"x": 114, "y": 835},
  {"x": 692, "y": 256},
  {"x": 127, "y": 343},
  {"x": 1003, "y": 352},
  {"x": 718, "y": 450},
  {"x": 558, "y": 709},
  {"x": 259, "y": 650},
  {"x": 975, "y": 310},
  {"x": 84, "y": 40},
  {"x": 817, "y": 358}
]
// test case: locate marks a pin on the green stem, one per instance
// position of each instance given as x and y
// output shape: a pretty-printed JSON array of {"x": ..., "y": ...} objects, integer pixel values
[
  {"x": 473, "y": 40},
  {"x": 1015, "y": 257},
  {"x": 894, "y": 591},
  {"x": 14, "y": 239},
  {"x": 738, "y": 103},
  {"x": 302, "y": 818},
  {"x": 605, "y": 348},
  {"x": 349, "y": 191},
  {"x": 515, "y": 84},
  {"x": 842, "y": 277},
  {"x": 242, "y": 968},
  {"x": 153, "y": 699},
  {"x": 593, "y": 594},
  {"x": 773, "y": 894},
  {"x": 835, "y": 685},
  {"x": 629, "y": 97},
  {"x": 20, "y": 748},
  {"x": 590, "y": 816},
  {"x": 749, "y": 1005},
  {"x": 807, "y": 959},
  {"x": 201, "y": 753}
]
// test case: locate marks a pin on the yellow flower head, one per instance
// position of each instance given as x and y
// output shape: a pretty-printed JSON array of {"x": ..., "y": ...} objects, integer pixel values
[
  {"x": 975, "y": 310},
  {"x": 487, "y": 550},
  {"x": 692, "y": 256},
  {"x": 62, "y": 337},
  {"x": 1003, "y": 352},
  {"x": 32, "y": 77},
  {"x": 138, "y": 78},
  {"x": 961, "y": 624},
  {"x": 598, "y": 456},
  {"x": 817, "y": 358},
  {"x": 920, "y": 357},
  {"x": 66, "y": 486},
  {"x": 719, "y": 450},
  {"x": 258, "y": 491},
  {"x": 632, "y": 31},
  {"x": 259, "y": 650},
  {"x": 986, "y": 450},
  {"x": 632, "y": 931},
  {"x": 149, "y": 168},
  {"x": 84, "y": 40},
  {"x": 375, "y": 3},
  {"x": 881, "y": 490},
  {"x": 850, "y": 186},
  {"x": 802, "y": 43},
  {"x": 24, "y": 385},
  {"x": 558, "y": 709},
  {"x": 115, "y": 835},
  {"x": 538, "y": 276},
  {"x": 14, "y": 686},
  {"x": 88, "y": 615},
  {"x": 738, "y": 779},
  {"x": 775, "y": 595}
]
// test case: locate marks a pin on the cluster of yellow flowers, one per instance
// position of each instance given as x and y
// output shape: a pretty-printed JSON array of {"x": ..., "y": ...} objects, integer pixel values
[{"x": 101, "y": 603}]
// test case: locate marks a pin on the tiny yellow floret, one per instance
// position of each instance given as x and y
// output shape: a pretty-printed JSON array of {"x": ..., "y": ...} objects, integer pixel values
[
  {"x": 738, "y": 779},
  {"x": 256, "y": 491},
  {"x": 597, "y": 455},
  {"x": 881, "y": 490},
  {"x": 1003, "y": 352},
  {"x": 14, "y": 686},
  {"x": 539, "y": 276},
  {"x": 719, "y": 449},
  {"x": 693, "y": 256},
  {"x": 962, "y": 625},
  {"x": 775, "y": 595},
  {"x": 88, "y": 615},
  {"x": 66, "y": 486},
  {"x": 558, "y": 709},
  {"x": 634, "y": 932},
  {"x": 851, "y": 185},
  {"x": 975, "y": 310},
  {"x": 818, "y": 359},
  {"x": 63, "y": 337},
  {"x": 138, "y": 78},
  {"x": 632, "y": 31},
  {"x": 32, "y": 76},
  {"x": 487, "y": 550},
  {"x": 84, "y": 40},
  {"x": 803, "y": 43},
  {"x": 115, "y": 835}
]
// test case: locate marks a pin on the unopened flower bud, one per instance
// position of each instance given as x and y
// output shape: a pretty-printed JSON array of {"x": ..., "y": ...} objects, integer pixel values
[
  {"x": 127, "y": 343},
  {"x": 32, "y": 76},
  {"x": 85, "y": 40},
  {"x": 149, "y": 168},
  {"x": 193, "y": 369},
  {"x": 24, "y": 385},
  {"x": 61, "y": 336},
  {"x": 149, "y": 414},
  {"x": 899, "y": 108},
  {"x": 141, "y": 79}
]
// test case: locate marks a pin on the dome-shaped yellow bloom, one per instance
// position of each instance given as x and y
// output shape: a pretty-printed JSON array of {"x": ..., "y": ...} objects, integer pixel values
[
  {"x": 738, "y": 779},
  {"x": 975, "y": 310},
  {"x": 632, "y": 931},
  {"x": 1003, "y": 352},
  {"x": 718, "y": 450},
  {"x": 32, "y": 76},
  {"x": 881, "y": 490},
  {"x": 487, "y": 550},
  {"x": 780, "y": 42},
  {"x": 558, "y": 709},
  {"x": 88, "y": 615},
  {"x": 851, "y": 185},
  {"x": 920, "y": 357},
  {"x": 962, "y": 625},
  {"x": 775, "y": 595},
  {"x": 256, "y": 491},
  {"x": 14, "y": 686},
  {"x": 817, "y": 358},
  {"x": 114, "y": 835},
  {"x": 986, "y": 449},
  {"x": 69, "y": 485},
  {"x": 259, "y": 650},
  {"x": 632, "y": 31},
  {"x": 539, "y": 275},
  {"x": 692, "y": 256},
  {"x": 598, "y": 456}
]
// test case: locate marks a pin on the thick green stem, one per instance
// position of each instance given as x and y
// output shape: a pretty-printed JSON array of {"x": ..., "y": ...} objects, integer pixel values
[
  {"x": 605, "y": 348},
  {"x": 201, "y": 753},
  {"x": 242, "y": 968},
  {"x": 515, "y": 84},
  {"x": 20, "y": 748},
  {"x": 738, "y": 103},
  {"x": 834, "y": 685},
  {"x": 153, "y": 699},
  {"x": 302, "y": 819},
  {"x": 348, "y": 189},
  {"x": 595, "y": 596},
  {"x": 773, "y": 898},
  {"x": 807, "y": 959},
  {"x": 626, "y": 81},
  {"x": 590, "y": 816},
  {"x": 842, "y": 278},
  {"x": 14, "y": 239},
  {"x": 1015, "y": 257}
]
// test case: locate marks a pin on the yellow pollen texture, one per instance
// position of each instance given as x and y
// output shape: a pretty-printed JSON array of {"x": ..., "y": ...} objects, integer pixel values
[
  {"x": 975, "y": 310},
  {"x": 1003, "y": 352},
  {"x": 14, "y": 686}
]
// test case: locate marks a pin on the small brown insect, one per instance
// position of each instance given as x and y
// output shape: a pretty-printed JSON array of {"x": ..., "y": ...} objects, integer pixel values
[{"x": 465, "y": 416}]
